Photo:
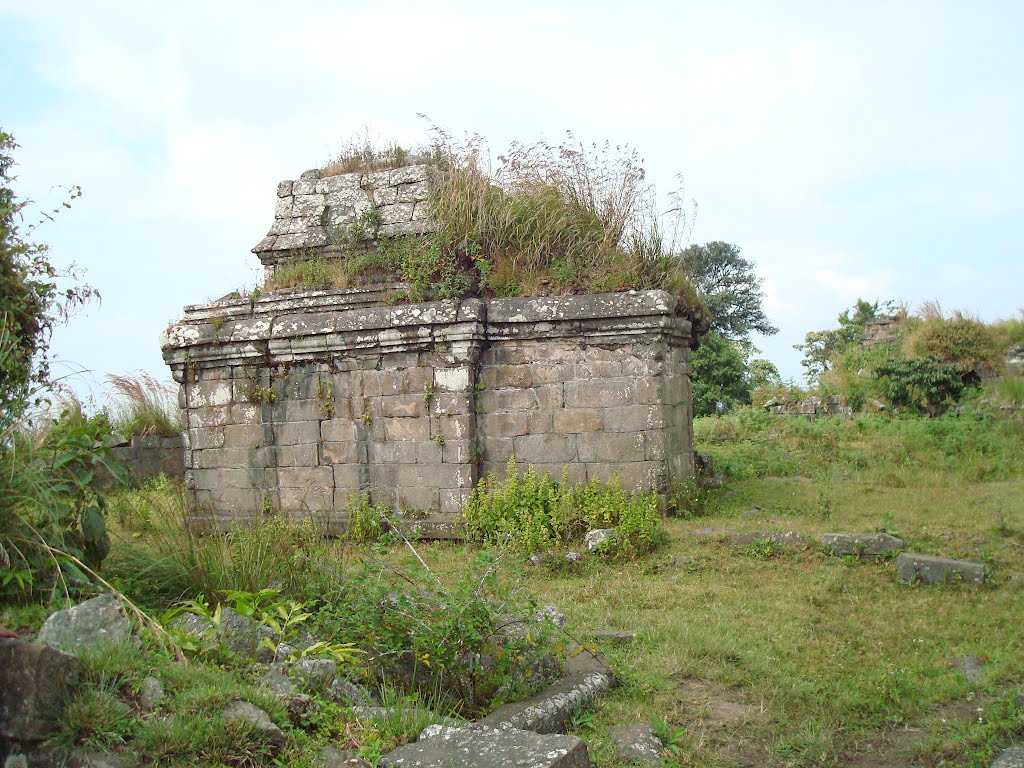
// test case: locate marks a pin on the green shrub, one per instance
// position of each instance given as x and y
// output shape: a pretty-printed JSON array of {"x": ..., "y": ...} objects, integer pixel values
[
  {"x": 966, "y": 344},
  {"x": 921, "y": 385},
  {"x": 530, "y": 512},
  {"x": 365, "y": 521},
  {"x": 459, "y": 645},
  {"x": 50, "y": 510}
]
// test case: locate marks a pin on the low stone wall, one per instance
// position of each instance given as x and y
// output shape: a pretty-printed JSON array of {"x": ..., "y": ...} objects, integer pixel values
[
  {"x": 147, "y": 456},
  {"x": 294, "y": 402}
]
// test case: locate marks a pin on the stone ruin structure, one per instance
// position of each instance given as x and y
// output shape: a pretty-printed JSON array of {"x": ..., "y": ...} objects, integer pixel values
[{"x": 296, "y": 400}]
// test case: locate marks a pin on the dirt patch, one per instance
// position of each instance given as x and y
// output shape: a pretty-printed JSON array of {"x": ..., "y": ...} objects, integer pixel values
[
  {"x": 714, "y": 714},
  {"x": 716, "y": 706}
]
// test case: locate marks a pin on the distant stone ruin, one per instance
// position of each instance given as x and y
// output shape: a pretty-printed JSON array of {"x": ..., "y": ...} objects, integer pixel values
[{"x": 296, "y": 400}]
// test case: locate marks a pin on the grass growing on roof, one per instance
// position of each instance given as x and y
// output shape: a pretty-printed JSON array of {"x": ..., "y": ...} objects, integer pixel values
[{"x": 551, "y": 219}]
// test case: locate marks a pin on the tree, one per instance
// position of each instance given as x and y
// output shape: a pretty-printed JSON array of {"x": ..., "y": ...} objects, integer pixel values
[
  {"x": 730, "y": 288},
  {"x": 763, "y": 373},
  {"x": 820, "y": 348},
  {"x": 32, "y": 302},
  {"x": 719, "y": 375}
]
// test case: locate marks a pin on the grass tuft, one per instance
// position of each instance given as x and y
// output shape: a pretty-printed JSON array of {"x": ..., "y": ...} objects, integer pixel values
[{"x": 144, "y": 406}]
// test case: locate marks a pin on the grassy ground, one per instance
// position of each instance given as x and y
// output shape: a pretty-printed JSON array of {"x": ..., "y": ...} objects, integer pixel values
[
  {"x": 744, "y": 655},
  {"x": 799, "y": 659}
]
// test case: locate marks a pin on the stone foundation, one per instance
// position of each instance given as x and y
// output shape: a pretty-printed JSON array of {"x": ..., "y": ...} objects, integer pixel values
[{"x": 294, "y": 402}]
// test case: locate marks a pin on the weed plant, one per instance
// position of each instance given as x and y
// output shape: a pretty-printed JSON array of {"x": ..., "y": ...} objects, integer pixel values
[{"x": 531, "y": 512}]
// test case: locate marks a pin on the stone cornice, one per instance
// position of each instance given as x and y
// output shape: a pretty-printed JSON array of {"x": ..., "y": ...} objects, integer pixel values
[{"x": 307, "y": 325}]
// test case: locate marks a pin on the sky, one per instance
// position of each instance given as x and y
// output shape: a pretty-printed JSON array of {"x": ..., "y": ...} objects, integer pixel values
[{"x": 851, "y": 150}]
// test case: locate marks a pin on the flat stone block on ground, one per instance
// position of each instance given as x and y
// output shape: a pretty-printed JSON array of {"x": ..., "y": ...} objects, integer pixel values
[
  {"x": 482, "y": 747},
  {"x": 930, "y": 569},
  {"x": 636, "y": 743},
  {"x": 586, "y": 677}
]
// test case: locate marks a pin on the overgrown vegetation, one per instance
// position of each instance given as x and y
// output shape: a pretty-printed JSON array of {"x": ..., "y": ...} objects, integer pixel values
[
  {"x": 52, "y": 518},
  {"x": 929, "y": 362},
  {"x": 551, "y": 219},
  {"x": 531, "y": 512},
  {"x": 976, "y": 445},
  {"x": 143, "y": 406}
]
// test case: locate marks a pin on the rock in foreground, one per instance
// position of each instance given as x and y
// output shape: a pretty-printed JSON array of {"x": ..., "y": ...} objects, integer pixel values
[
  {"x": 99, "y": 620},
  {"x": 481, "y": 747},
  {"x": 637, "y": 743},
  {"x": 1013, "y": 757},
  {"x": 35, "y": 683}
]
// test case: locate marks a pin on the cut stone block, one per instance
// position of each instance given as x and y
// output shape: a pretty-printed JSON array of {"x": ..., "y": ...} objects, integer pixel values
[
  {"x": 861, "y": 544},
  {"x": 483, "y": 747},
  {"x": 586, "y": 678},
  {"x": 929, "y": 569}
]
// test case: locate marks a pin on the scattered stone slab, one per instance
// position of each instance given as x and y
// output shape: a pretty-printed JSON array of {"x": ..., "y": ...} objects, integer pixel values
[
  {"x": 636, "y": 743},
  {"x": 913, "y": 567},
  {"x": 586, "y": 677},
  {"x": 244, "y": 712},
  {"x": 239, "y": 634},
  {"x": 151, "y": 693},
  {"x": 1011, "y": 757},
  {"x": 573, "y": 557},
  {"x": 552, "y": 614},
  {"x": 613, "y": 636},
  {"x": 872, "y": 545},
  {"x": 598, "y": 537},
  {"x": 244, "y": 636},
  {"x": 483, "y": 747},
  {"x": 36, "y": 682},
  {"x": 99, "y": 620},
  {"x": 314, "y": 674},
  {"x": 972, "y": 667},
  {"x": 276, "y": 680},
  {"x": 352, "y": 694}
]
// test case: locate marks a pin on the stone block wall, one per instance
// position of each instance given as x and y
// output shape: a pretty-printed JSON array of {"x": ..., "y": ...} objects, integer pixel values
[
  {"x": 312, "y": 213},
  {"x": 146, "y": 456},
  {"x": 295, "y": 402}
]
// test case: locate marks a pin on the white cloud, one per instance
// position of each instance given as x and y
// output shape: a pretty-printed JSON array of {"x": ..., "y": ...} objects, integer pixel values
[{"x": 178, "y": 121}]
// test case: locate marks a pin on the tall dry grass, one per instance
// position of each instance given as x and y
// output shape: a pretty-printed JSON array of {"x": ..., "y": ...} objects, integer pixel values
[{"x": 141, "y": 405}]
